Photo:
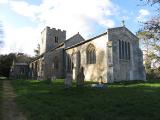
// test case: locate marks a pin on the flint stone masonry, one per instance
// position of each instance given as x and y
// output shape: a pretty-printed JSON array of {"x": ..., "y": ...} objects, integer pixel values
[{"x": 64, "y": 58}]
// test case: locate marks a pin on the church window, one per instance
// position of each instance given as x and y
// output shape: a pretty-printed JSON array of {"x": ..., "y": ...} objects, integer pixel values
[
  {"x": 129, "y": 54},
  {"x": 56, "y": 39},
  {"x": 91, "y": 54},
  {"x": 124, "y": 50},
  {"x": 125, "y": 47},
  {"x": 120, "y": 48}
]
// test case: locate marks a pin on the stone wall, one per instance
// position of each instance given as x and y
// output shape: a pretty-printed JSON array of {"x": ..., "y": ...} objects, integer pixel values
[
  {"x": 95, "y": 72},
  {"x": 109, "y": 67},
  {"x": 131, "y": 69},
  {"x": 54, "y": 69}
]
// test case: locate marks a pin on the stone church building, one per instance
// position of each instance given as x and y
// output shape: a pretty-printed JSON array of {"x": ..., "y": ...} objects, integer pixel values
[{"x": 111, "y": 56}]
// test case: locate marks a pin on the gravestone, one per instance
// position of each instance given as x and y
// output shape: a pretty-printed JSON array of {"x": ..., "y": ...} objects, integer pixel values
[
  {"x": 68, "y": 80},
  {"x": 80, "y": 78}
]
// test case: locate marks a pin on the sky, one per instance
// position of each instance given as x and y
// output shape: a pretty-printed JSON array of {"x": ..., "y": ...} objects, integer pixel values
[{"x": 23, "y": 20}]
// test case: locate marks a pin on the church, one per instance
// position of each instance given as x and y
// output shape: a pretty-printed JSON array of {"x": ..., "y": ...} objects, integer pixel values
[{"x": 109, "y": 57}]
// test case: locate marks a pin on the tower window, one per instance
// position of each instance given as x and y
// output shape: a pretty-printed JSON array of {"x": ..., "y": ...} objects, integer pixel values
[{"x": 56, "y": 39}]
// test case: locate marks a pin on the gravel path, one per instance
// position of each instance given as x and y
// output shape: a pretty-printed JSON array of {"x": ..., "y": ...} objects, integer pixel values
[{"x": 10, "y": 110}]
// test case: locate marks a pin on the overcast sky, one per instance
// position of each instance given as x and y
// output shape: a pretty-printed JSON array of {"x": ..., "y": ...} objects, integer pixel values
[{"x": 23, "y": 20}]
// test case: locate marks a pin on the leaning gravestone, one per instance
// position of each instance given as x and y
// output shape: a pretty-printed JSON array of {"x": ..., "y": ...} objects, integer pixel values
[
  {"x": 68, "y": 80},
  {"x": 80, "y": 78}
]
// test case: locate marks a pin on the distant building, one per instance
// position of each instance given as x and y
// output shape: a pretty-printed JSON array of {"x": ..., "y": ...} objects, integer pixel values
[
  {"x": 20, "y": 67},
  {"x": 112, "y": 56},
  {"x": 19, "y": 71}
]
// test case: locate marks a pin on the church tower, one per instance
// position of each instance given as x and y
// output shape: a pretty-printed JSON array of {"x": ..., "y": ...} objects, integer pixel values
[{"x": 51, "y": 38}]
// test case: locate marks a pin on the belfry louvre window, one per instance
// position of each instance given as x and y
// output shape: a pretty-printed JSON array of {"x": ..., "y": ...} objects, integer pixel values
[
  {"x": 91, "y": 54},
  {"x": 124, "y": 50}
]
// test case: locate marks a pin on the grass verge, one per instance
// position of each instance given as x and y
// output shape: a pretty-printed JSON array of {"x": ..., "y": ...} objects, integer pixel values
[{"x": 119, "y": 101}]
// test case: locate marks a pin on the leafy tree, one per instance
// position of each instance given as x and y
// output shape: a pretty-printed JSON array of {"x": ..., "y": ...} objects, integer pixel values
[
  {"x": 21, "y": 57},
  {"x": 150, "y": 38},
  {"x": 37, "y": 51},
  {"x": 5, "y": 64},
  {"x": 7, "y": 60}
]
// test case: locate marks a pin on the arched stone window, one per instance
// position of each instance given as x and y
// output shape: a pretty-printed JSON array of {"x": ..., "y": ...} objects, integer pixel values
[
  {"x": 129, "y": 54},
  {"x": 120, "y": 49},
  {"x": 124, "y": 50},
  {"x": 91, "y": 54}
]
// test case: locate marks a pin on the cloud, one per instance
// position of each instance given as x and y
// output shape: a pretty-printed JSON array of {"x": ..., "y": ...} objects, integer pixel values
[
  {"x": 3, "y": 1},
  {"x": 143, "y": 13},
  {"x": 20, "y": 39},
  {"x": 25, "y": 9},
  {"x": 70, "y": 15}
]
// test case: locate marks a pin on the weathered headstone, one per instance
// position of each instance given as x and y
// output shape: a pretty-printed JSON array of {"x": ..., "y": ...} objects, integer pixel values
[
  {"x": 80, "y": 78},
  {"x": 68, "y": 80}
]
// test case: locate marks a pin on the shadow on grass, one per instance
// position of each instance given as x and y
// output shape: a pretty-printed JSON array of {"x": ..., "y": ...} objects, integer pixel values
[{"x": 119, "y": 101}]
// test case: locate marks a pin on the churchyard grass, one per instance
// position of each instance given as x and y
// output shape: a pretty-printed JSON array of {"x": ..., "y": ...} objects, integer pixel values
[{"x": 41, "y": 100}]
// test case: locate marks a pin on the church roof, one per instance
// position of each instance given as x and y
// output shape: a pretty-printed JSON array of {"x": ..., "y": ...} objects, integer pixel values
[
  {"x": 116, "y": 28},
  {"x": 83, "y": 42},
  {"x": 77, "y": 38},
  {"x": 74, "y": 37}
]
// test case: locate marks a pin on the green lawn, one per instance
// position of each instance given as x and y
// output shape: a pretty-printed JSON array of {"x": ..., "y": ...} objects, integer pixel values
[
  {"x": 118, "y": 101},
  {"x": 0, "y": 99}
]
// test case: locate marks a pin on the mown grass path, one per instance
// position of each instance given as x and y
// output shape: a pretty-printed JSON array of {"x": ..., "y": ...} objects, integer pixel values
[{"x": 9, "y": 107}]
